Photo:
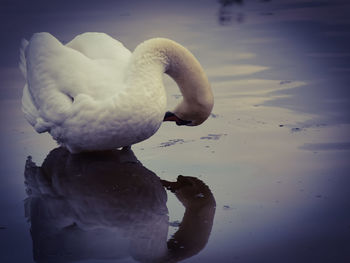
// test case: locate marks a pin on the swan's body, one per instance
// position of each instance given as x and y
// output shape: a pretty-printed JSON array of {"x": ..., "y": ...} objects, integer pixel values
[{"x": 94, "y": 94}]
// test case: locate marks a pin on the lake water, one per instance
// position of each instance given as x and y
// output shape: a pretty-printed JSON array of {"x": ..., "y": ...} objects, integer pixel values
[{"x": 264, "y": 179}]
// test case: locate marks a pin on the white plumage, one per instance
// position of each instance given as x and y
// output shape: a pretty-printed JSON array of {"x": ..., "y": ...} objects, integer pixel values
[{"x": 94, "y": 94}]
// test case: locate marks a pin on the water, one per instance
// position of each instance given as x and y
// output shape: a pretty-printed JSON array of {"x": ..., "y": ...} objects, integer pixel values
[{"x": 274, "y": 154}]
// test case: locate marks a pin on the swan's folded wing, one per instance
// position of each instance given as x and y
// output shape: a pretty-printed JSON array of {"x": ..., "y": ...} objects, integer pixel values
[
  {"x": 58, "y": 77},
  {"x": 100, "y": 46},
  {"x": 52, "y": 80}
]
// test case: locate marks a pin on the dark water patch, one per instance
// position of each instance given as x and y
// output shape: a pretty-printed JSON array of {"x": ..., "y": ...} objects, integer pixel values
[
  {"x": 296, "y": 129},
  {"x": 172, "y": 142},
  {"x": 332, "y": 146},
  {"x": 266, "y": 13},
  {"x": 214, "y": 116},
  {"x": 213, "y": 136},
  {"x": 303, "y": 126},
  {"x": 227, "y": 207},
  {"x": 285, "y": 82}
]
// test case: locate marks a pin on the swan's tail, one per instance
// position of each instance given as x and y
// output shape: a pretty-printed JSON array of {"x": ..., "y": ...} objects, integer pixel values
[
  {"x": 22, "y": 58},
  {"x": 28, "y": 106}
]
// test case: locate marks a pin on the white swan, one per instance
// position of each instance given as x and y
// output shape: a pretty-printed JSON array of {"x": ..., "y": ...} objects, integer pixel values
[{"x": 94, "y": 94}]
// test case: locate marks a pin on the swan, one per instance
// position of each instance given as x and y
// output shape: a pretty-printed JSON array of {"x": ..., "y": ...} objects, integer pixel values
[{"x": 94, "y": 94}]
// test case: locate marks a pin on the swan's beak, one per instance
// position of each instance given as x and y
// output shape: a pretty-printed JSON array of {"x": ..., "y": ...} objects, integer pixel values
[{"x": 169, "y": 116}]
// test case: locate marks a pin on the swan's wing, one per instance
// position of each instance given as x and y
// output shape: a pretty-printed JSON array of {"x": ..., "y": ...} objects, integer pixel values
[
  {"x": 49, "y": 90},
  {"x": 29, "y": 109},
  {"x": 100, "y": 46},
  {"x": 57, "y": 74},
  {"x": 33, "y": 66}
]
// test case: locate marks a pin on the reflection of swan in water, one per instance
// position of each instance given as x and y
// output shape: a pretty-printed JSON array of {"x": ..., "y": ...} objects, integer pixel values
[{"x": 108, "y": 206}]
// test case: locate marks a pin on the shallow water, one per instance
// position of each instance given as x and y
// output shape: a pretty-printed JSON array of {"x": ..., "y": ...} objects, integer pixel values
[{"x": 274, "y": 154}]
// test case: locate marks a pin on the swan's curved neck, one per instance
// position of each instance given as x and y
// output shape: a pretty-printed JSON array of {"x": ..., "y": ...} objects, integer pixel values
[{"x": 159, "y": 55}]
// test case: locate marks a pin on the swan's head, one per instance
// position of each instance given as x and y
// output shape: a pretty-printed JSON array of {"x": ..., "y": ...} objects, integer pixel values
[
  {"x": 195, "y": 88},
  {"x": 192, "y": 113},
  {"x": 181, "y": 65}
]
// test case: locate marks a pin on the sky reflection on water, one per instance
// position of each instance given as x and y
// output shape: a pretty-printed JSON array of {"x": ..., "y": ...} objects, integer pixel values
[{"x": 275, "y": 153}]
